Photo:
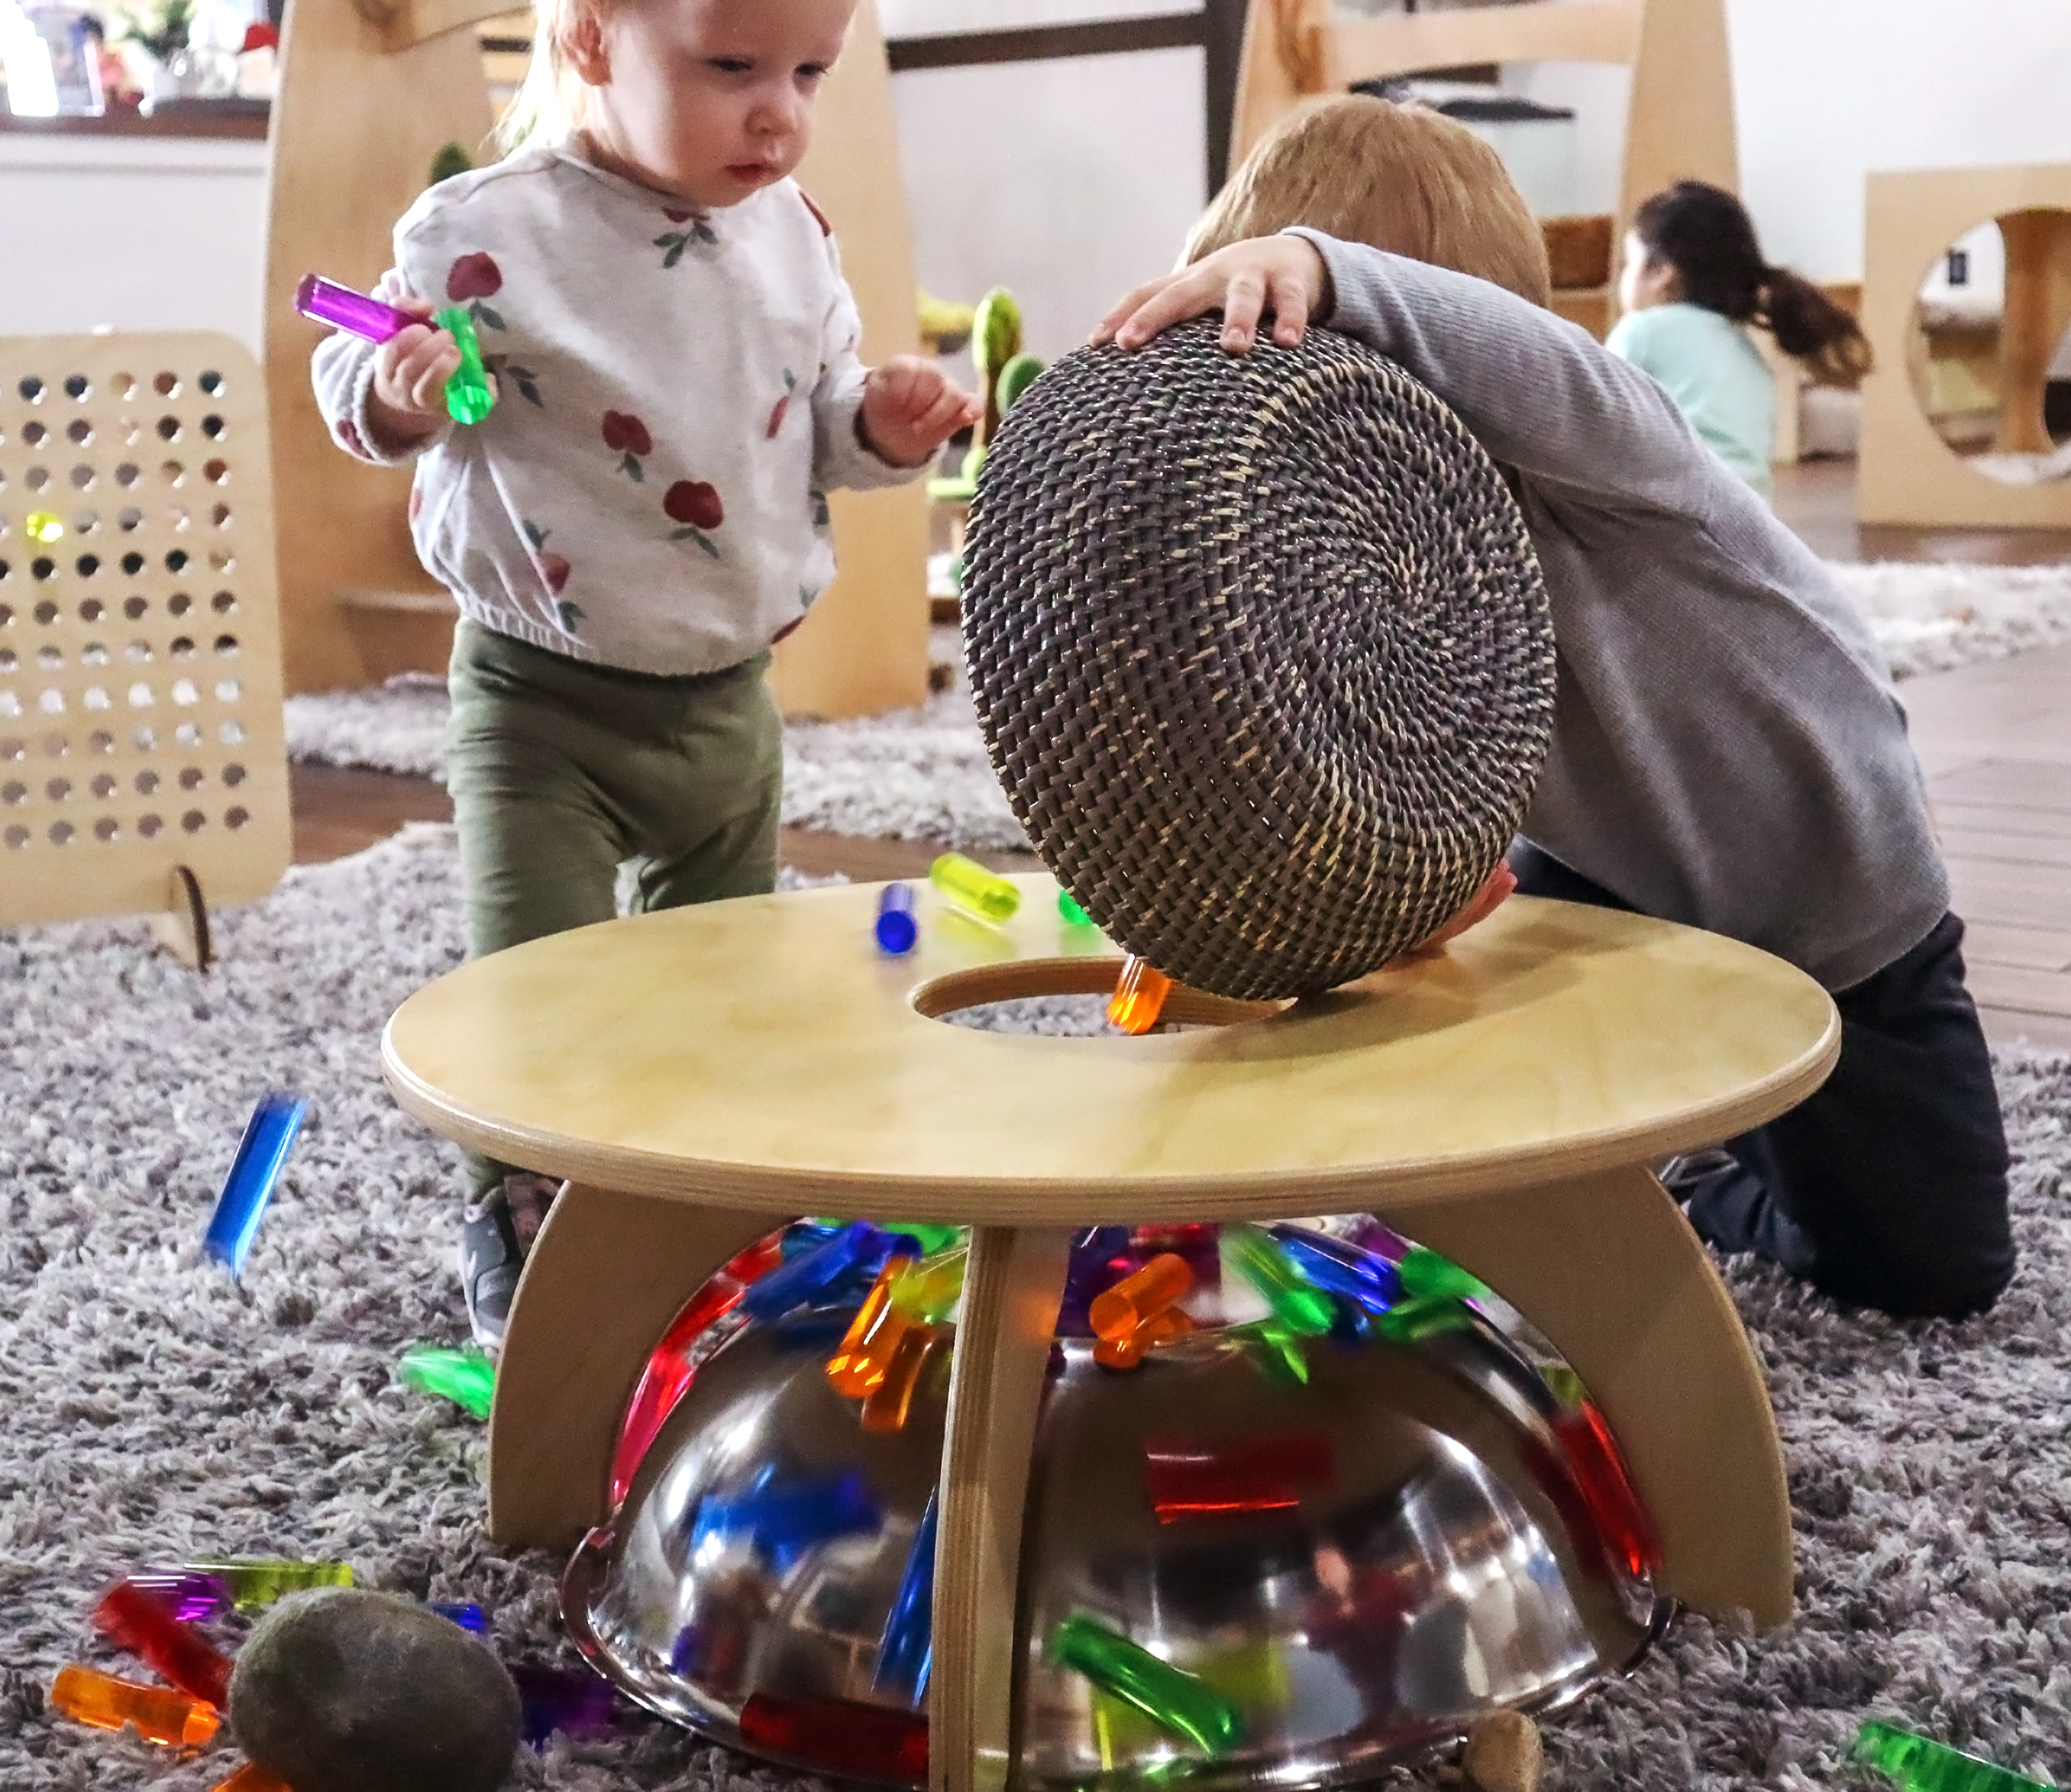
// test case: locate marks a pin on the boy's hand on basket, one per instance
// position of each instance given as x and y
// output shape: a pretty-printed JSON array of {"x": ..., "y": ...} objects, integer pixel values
[{"x": 1285, "y": 275}]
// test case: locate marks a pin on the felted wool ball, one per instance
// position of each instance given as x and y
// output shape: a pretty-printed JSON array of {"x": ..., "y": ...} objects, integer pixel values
[
  {"x": 1503, "y": 1754},
  {"x": 341, "y": 1690}
]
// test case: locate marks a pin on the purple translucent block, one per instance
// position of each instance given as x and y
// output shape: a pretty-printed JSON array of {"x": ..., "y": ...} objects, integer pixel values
[
  {"x": 571, "y": 1699},
  {"x": 194, "y": 1597},
  {"x": 326, "y": 302}
]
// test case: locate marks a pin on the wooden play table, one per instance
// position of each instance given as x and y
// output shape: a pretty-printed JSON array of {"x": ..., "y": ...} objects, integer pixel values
[{"x": 702, "y": 1074}]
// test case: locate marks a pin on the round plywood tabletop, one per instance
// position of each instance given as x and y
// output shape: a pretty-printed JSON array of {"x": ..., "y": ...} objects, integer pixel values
[{"x": 763, "y": 1053}]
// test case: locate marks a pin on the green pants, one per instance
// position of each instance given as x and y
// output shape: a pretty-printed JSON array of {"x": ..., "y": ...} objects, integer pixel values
[{"x": 561, "y": 771}]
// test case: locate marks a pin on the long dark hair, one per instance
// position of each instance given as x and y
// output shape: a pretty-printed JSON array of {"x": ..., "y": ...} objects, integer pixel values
[{"x": 1707, "y": 236}]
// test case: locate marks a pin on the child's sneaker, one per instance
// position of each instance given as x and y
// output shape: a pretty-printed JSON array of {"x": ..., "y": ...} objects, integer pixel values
[{"x": 496, "y": 1235}]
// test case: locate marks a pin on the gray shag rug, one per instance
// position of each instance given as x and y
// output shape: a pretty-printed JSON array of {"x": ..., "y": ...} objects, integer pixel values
[
  {"x": 156, "y": 1410},
  {"x": 922, "y": 774}
]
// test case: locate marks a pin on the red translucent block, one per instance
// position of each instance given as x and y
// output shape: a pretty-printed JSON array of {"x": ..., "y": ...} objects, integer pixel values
[
  {"x": 867, "y": 1741},
  {"x": 1119, "y": 1311},
  {"x": 1599, "y": 1471},
  {"x": 1187, "y": 1479},
  {"x": 144, "y": 1624},
  {"x": 158, "y": 1713}
]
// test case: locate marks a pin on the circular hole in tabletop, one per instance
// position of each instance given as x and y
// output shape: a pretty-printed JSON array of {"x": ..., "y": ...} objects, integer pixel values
[
  {"x": 18, "y": 837},
  {"x": 1089, "y": 980},
  {"x": 77, "y": 386},
  {"x": 148, "y": 826},
  {"x": 31, "y": 390},
  {"x": 167, "y": 385}
]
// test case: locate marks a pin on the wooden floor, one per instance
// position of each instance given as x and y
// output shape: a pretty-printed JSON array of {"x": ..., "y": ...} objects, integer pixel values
[{"x": 1995, "y": 740}]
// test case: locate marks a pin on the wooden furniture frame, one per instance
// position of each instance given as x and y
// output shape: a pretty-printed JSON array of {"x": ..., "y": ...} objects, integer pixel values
[
  {"x": 1498, "y": 1102},
  {"x": 143, "y": 764},
  {"x": 369, "y": 93},
  {"x": 1679, "y": 125},
  {"x": 1905, "y": 473}
]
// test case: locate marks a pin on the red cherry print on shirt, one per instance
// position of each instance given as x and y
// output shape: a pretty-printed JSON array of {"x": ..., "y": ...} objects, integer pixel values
[
  {"x": 693, "y": 501},
  {"x": 474, "y": 276},
  {"x": 554, "y": 570},
  {"x": 625, "y": 433},
  {"x": 677, "y": 217},
  {"x": 776, "y": 416}
]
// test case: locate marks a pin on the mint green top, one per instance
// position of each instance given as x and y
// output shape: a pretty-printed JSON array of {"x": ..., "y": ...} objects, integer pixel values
[{"x": 1715, "y": 375}]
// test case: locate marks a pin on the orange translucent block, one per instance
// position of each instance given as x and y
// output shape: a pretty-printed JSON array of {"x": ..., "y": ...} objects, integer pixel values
[
  {"x": 889, "y": 1402},
  {"x": 1126, "y": 1353},
  {"x": 157, "y": 1713},
  {"x": 1122, "y": 1308},
  {"x": 1139, "y": 996},
  {"x": 252, "y": 1777},
  {"x": 868, "y": 1354}
]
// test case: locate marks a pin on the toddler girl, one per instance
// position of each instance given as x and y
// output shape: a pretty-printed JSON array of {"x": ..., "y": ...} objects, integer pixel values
[
  {"x": 643, "y": 512},
  {"x": 1694, "y": 279},
  {"x": 1727, "y": 752}
]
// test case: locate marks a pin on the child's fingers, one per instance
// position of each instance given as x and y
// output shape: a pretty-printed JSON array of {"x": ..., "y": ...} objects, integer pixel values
[
  {"x": 429, "y": 375},
  {"x": 1244, "y": 300},
  {"x": 1127, "y": 307}
]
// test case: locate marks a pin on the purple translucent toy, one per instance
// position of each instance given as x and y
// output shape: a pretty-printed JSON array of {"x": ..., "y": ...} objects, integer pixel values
[
  {"x": 194, "y": 1597},
  {"x": 572, "y": 1699},
  {"x": 326, "y": 302}
]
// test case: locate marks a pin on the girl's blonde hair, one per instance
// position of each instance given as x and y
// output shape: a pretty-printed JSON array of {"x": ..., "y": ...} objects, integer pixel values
[
  {"x": 1399, "y": 177},
  {"x": 548, "y": 107}
]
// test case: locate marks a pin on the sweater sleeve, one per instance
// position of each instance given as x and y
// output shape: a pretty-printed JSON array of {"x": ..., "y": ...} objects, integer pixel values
[
  {"x": 1540, "y": 394},
  {"x": 839, "y": 457},
  {"x": 342, "y": 371}
]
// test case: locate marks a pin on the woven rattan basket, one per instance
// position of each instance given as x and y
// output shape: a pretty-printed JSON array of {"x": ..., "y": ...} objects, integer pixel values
[{"x": 1261, "y": 651}]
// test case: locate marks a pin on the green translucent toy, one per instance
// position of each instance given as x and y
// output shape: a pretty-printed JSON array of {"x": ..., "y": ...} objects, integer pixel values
[
  {"x": 927, "y": 1293},
  {"x": 260, "y": 1580},
  {"x": 1427, "y": 1316},
  {"x": 1920, "y": 1765},
  {"x": 932, "y": 1239},
  {"x": 468, "y": 396},
  {"x": 969, "y": 885},
  {"x": 467, "y": 1377},
  {"x": 1074, "y": 916},
  {"x": 1297, "y": 1302},
  {"x": 1425, "y": 1273},
  {"x": 1164, "y": 1694},
  {"x": 1276, "y": 1349}
]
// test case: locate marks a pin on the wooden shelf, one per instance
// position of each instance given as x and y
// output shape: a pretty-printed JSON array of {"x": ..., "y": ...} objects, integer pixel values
[{"x": 245, "y": 119}]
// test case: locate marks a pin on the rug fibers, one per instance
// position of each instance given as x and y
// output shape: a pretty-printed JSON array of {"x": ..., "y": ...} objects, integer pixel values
[{"x": 157, "y": 1410}]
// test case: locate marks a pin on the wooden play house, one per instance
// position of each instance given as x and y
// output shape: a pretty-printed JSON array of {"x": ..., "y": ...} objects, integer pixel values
[{"x": 370, "y": 93}]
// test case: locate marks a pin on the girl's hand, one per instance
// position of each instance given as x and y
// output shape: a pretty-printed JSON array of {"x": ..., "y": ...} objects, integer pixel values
[
  {"x": 911, "y": 409},
  {"x": 1283, "y": 275},
  {"x": 406, "y": 403}
]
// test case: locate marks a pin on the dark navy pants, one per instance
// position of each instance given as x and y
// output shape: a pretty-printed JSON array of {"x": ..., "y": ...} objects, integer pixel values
[{"x": 1886, "y": 1186}]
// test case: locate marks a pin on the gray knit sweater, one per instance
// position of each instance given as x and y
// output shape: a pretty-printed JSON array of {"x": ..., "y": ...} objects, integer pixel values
[{"x": 1728, "y": 750}]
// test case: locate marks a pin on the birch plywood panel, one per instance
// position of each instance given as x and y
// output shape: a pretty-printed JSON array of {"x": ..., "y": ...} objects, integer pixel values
[{"x": 141, "y": 725}]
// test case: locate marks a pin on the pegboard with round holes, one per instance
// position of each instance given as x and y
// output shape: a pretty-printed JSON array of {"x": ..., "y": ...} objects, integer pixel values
[{"x": 141, "y": 722}]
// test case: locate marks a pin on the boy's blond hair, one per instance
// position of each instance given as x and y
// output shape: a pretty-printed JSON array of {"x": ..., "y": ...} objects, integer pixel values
[
  {"x": 548, "y": 105},
  {"x": 1399, "y": 177}
]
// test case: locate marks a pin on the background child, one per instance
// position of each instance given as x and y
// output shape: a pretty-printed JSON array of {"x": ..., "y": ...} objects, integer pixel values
[
  {"x": 644, "y": 513},
  {"x": 1727, "y": 752},
  {"x": 1694, "y": 280}
]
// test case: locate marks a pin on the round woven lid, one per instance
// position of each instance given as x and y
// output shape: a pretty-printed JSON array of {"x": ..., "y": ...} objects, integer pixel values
[{"x": 1261, "y": 651}]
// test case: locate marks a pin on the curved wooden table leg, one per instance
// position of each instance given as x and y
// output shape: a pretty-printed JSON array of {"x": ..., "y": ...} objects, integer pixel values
[
  {"x": 1609, "y": 1270},
  {"x": 1011, "y": 1293},
  {"x": 606, "y": 1275}
]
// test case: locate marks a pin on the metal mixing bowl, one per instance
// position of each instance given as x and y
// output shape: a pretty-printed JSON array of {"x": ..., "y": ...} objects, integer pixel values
[{"x": 1451, "y": 1563}]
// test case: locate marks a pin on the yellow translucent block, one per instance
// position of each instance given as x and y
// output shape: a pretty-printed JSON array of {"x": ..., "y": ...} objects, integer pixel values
[
  {"x": 889, "y": 1402},
  {"x": 929, "y": 1291},
  {"x": 1139, "y": 996},
  {"x": 157, "y": 1712},
  {"x": 1120, "y": 1310},
  {"x": 965, "y": 881}
]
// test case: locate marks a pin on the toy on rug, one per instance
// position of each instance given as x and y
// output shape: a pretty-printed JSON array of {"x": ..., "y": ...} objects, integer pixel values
[
  {"x": 269, "y": 1136},
  {"x": 466, "y": 1377},
  {"x": 1261, "y": 652},
  {"x": 1922, "y": 1765},
  {"x": 1503, "y": 1754},
  {"x": 766, "y": 1576}
]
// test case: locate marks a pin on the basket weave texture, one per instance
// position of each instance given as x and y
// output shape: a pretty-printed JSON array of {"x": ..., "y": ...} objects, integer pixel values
[{"x": 1261, "y": 651}]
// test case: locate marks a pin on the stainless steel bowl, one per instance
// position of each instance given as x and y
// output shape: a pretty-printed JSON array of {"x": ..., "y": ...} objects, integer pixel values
[{"x": 1450, "y": 1563}]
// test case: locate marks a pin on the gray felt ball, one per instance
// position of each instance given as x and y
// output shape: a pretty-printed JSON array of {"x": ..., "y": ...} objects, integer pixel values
[{"x": 339, "y": 1690}]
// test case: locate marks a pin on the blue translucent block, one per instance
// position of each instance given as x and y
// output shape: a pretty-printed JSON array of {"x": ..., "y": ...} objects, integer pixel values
[
  {"x": 255, "y": 1169},
  {"x": 896, "y": 928},
  {"x": 817, "y": 1327},
  {"x": 802, "y": 1235},
  {"x": 859, "y": 1250},
  {"x": 1353, "y": 1324},
  {"x": 780, "y": 1520},
  {"x": 469, "y": 1617},
  {"x": 905, "y": 1652},
  {"x": 1342, "y": 1269}
]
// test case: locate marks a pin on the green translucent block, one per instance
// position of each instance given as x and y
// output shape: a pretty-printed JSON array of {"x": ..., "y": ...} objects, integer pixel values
[
  {"x": 467, "y": 1377},
  {"x": 969, "y": 885},
  {"x": 1566, "y": 1385},
  {"x": 1425, "y": 1317},
  {"x": 1424, "y": 1272},
  {"x": 468, "y": 396},
  {"x": 1162, "y": 1691},
  {"x": 1074, "y": 916},
  {"x": 1920, "y": 1765},
  {"x": 1297, "y": 1302},
  {"x": 260, "y": 1580},
  {"x": 927, "y": 1293},
  {"x": 1276, "y": 1349},
  {"x": 932, "y": 1239}
]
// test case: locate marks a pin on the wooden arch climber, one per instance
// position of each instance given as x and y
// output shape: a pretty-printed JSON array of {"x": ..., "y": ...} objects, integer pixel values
[
  {"x": 1679, "y": 125},
  {"x": 370, "y": 90}
]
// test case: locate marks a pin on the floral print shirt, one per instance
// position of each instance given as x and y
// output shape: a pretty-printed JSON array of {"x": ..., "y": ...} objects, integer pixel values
[{"x": 677, "y": 391}]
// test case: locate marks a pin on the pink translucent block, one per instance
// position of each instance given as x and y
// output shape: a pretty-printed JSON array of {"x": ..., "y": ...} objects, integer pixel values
[{"x": 326, "y": 302}]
